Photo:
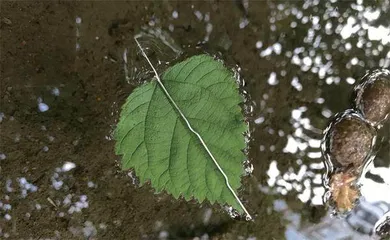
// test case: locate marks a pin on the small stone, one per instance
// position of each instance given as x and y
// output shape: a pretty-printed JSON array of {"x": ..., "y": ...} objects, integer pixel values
[
  {"x": 43, "y": 107},
  {"x": 6, "y": 21},
  {"x": 373, "y": 97},
  {"x": 55, "y": 91},
  {"x": 351, "y": 141},
  {"x": 78, "y": 20},
  {"x": 382, "y": 228}
]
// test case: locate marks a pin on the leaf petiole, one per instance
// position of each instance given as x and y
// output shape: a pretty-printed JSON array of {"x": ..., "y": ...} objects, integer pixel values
[{"x": 248, "y": 216}]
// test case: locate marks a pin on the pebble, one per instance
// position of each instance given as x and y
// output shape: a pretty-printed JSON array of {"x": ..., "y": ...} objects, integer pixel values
[
  {"x": 6, "y": 21},
  {"x": 43, "y": 107},
  {"x": 373, "y": 98},
  {"x": 351, "y": 141}
]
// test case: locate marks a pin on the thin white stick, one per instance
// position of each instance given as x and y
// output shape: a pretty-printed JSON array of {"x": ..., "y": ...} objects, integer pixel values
[
  {"x": 125, "y": 65},
  {"x": 248, "y": 216}
]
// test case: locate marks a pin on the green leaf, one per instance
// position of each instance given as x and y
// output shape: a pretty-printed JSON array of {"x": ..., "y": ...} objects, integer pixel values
[{"x": 153, "y": 137}]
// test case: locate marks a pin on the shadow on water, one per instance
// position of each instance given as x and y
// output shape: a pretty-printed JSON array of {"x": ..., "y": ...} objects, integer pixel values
[{"x": 67, "y": 67}]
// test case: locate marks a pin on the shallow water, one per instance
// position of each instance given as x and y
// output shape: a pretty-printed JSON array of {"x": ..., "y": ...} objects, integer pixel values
[{"x": 64, "y": 76}]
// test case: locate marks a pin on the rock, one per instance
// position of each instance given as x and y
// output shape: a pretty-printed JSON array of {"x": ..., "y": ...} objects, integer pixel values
[
  {"x": 373, "y": 97},
  {"x": 351, "y": 141},
  {"x": 6, "y": 21}
]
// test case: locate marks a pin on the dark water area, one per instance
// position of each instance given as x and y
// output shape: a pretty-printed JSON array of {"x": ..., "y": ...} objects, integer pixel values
[{"x": 67, "y": 67}]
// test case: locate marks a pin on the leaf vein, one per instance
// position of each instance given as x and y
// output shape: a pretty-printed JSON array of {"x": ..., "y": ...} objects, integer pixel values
[
  {"x": 170, "y": 154},
  {"x": 195, "y": 68},
  {"x": 128, "y": 132},
  {"x": 146, "y": 116}
]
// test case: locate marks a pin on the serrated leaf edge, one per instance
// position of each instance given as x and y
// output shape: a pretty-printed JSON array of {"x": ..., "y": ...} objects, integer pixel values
[{"x": 248, "y": 216}]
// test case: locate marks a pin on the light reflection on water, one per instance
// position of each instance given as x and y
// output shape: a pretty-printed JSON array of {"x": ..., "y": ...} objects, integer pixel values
[
  {"x": 319, "y": 50},
  {"x": 316, "y": 56}
]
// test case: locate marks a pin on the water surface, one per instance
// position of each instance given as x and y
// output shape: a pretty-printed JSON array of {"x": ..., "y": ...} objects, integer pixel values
[{"x": 67, "y": 67}]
